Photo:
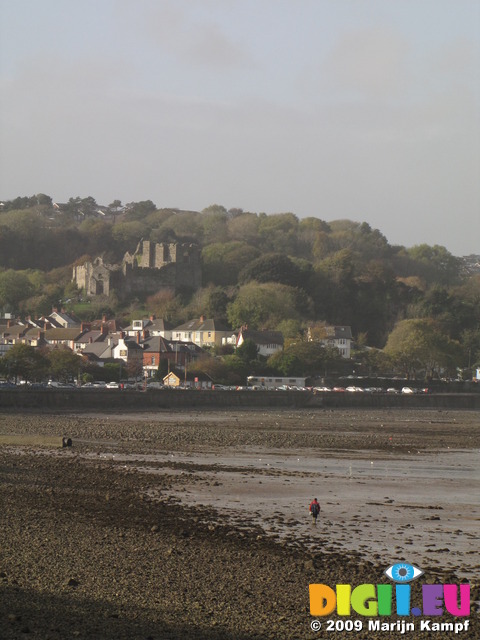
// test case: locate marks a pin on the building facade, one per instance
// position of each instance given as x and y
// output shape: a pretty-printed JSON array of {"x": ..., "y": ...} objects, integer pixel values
[{"x": 152, "y": 267}]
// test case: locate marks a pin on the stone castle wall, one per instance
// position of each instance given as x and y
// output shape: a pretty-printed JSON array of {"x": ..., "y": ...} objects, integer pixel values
[{"x": 151, "y": 268}]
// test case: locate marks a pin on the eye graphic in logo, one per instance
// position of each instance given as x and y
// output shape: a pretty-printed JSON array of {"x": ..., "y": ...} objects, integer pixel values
[{"x": 403, "y": 572}]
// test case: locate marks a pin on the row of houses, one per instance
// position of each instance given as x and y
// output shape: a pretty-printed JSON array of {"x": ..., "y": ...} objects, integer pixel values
[{"x": 145, "y": 343}]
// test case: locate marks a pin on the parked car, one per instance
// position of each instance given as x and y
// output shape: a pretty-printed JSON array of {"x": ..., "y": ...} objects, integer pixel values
[
  {"x": 155, "y": 384},
  {"x": 112, "y": 385}
]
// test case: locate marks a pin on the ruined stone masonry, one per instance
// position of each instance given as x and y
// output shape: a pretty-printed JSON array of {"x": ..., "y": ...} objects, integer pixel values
[{"x": 152, "y": 267}]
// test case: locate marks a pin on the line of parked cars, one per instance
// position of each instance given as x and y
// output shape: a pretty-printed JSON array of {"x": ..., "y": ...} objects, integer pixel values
[
  {"x": 352, "y": 389},
  {"x": 155, "y": 384}
]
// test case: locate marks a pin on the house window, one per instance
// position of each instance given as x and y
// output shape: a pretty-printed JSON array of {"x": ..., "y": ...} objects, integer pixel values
[
  {"x": 153, "y": 360},
  {"x": 123, "y": 353}
]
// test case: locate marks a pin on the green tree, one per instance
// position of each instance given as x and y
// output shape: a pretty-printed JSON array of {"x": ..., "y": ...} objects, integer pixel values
[
  {"x": 164, "y": 304},
  {"x": 210, "y": 302},
  {"x": 214, "y": 221},
  {"x": 128, "y": 234},
  {"x": 273, "y": 267},
  {"x": 265, "y": 305},
  {"x": 14, "y": 287},
  {"x": 335, "y": 288},
  {"x": 419, "y": 345},
  {"x": 244, "y": 228},
  {"x": 139, "y": 210},
  {"x": 182, "y": 225},
  {"x": 470, "y": 341},
  {"x": 64, "y": 364},
  {"x": 221, "y": 263},
  {"x": 278, "y": 232},
  {"x": 304, "y": 358},
  {"x": 247, "y": 351},
  {"x": 115, "y": 206},
  {"x": 285, "y": 363},
  {"x": 436, "y": 264},
  {"x": 238, "y": 370},
  {"x": 23, "y": 361},
  {"x": 216, "y": 368}
]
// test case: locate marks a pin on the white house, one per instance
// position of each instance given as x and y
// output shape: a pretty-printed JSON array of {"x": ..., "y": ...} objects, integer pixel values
[
  {"x": 151, "y": 326},
  {"x": 338, "y": 336},
  {"x": 204, "y": 332},
  {"x": 267, "y": 342}
]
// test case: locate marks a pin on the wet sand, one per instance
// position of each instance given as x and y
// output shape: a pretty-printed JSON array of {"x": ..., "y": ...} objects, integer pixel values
[
  {"x": 418, "y": 509},
  {"x": 178, "y": 493}
]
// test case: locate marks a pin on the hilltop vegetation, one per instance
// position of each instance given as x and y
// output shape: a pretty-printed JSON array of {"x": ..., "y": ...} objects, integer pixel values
[{"x": 268, "y": 271}]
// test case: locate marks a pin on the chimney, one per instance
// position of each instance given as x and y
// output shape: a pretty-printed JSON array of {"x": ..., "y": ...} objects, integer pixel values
[
  {"x": 104, "y": 330},
  {"x": 9, "y": 324},
  {"x": 152, "y": 318},
  {"x": 138, "y": 337},
  {"x": 104, "y": 318},
  {"x": 122, "y": 334},
  {"x": 202, "y": 318},
  {"x": 90, "y": 340}
]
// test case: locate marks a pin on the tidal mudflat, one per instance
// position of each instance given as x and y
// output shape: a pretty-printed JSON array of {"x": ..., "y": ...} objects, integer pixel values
[{"x": 195, "y": 524}]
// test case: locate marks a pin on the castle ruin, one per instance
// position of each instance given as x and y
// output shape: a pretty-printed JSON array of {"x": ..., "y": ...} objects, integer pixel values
[{"x": 152, "y": 267}]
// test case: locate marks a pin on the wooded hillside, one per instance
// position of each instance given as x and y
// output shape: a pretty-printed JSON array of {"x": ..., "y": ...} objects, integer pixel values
[{"x": 267, "y": 271}]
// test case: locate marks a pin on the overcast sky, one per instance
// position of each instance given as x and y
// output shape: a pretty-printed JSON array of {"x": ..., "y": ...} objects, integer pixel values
[{"x": 358, "y": 109}]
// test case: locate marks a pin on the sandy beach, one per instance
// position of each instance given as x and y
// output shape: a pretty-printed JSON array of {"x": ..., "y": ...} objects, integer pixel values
[{"x": 195, "y": 524}]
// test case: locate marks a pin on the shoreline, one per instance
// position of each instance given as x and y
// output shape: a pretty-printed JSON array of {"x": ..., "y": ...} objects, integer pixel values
[{"x": 131, "y": 553}]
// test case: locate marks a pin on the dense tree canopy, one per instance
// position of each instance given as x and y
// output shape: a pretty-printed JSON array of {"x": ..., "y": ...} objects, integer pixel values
[
  {"x": 268, "y": 271},
  {"x": 420, "y": 345}
]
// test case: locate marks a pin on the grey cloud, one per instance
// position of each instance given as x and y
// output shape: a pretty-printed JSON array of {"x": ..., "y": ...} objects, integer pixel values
[
  {"x": 179, "y": 32},
  {"x": 368, "y": 61}
]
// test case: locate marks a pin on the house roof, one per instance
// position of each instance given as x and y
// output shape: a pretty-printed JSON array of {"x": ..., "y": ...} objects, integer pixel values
[
  {"x": 96, "y": 335},
  {"x": 14, "y": 331},
  {"x": 98, "y": 351},
  {"x": 112, "y": 325},
  {"x": 33, "y": 333},
  {"x": 131, "y": 344},
  {"x": 156, "y": 344},
  {"x": 262, "y": 337},
  {"x": 65, "y": 317},
  {"x": 152, "y": 324},
  {"x": 202, "y": 324},
  {"x": 339, "y": 332},
  {"x": 52, "y": 335},
  {"x": 159, "y": 324}
]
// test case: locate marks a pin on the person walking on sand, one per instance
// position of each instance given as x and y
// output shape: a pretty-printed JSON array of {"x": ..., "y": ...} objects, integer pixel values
[{"x": 314, "y": 510}]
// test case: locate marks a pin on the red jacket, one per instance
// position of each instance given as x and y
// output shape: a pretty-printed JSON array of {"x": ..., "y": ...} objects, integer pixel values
[{"x": 314, "y": 505}]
